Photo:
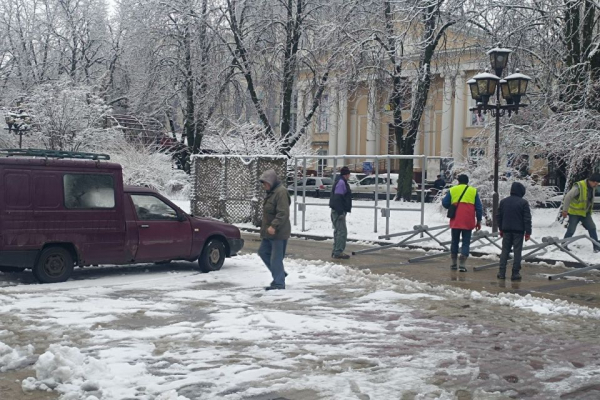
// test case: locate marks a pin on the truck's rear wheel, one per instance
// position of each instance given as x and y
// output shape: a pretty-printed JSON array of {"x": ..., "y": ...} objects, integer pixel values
[
  {"x": 213, "y": 256},
  {"x": 55, "y": 264}
]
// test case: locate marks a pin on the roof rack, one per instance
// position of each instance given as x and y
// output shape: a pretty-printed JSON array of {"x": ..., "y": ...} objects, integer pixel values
[{"x": 53, "y": 154}]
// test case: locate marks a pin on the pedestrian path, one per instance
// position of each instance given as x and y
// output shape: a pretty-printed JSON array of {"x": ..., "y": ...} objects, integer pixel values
[{"x": 583, "y": 290}]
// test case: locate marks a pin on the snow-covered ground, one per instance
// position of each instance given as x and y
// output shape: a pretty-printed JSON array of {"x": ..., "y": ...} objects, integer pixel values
[
  {"x": 360, "y": 225},
  {"x": 335, "y": 333}
]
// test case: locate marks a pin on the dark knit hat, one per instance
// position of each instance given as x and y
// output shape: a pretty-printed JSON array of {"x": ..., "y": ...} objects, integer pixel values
[
  {"x": 594, "y": 177},
  {"x": 464, "y": 179},
  {"x": 344, "y": 171}
]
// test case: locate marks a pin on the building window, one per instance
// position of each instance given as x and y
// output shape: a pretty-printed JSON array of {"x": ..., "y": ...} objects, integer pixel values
[
  {"x": 475, "y": 154},
  {"x": 323, "y": 120},
  {"x": 474, "y": 118},
  {"x": 391, "y": 139},
  {"x": 322, "y": 163}
]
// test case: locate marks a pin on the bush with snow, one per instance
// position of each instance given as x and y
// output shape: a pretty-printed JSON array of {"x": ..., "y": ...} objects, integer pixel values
[{"x": 145, "y": 166}]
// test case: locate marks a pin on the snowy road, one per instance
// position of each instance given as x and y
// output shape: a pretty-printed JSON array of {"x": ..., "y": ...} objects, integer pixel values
[{"x": 336, "y": 333}]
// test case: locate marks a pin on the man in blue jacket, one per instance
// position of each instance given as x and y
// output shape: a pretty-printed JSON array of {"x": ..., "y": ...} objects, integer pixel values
[{"x": 340, "y": 204}]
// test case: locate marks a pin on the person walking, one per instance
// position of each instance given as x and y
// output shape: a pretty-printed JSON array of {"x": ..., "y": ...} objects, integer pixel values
[
  {"x": 465, "y": 212},
  {"x": 578, "y": 206},
  {"x": 340, "y": 204},
  {"x": 514, "y": 221},
  {"x": 275, "y": 229}
]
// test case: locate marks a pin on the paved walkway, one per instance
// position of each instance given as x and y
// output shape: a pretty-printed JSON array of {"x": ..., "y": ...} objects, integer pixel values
[{"x": 583, "y": 289}]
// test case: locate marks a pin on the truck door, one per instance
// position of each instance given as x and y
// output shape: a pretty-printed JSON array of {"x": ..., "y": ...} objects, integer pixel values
[{"x": 163, "y": 234}]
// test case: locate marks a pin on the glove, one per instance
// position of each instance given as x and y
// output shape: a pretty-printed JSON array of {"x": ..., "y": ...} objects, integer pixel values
[
  {"x": 478, "y": 226},
  {"x": 527, "y": 237}
]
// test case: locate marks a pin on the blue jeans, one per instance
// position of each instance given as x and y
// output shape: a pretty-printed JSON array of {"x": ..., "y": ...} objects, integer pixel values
[
  {"x": 466, "y": 241},
  {"x": 272, "y": 253},
  {"x": 587, "y": 222}
]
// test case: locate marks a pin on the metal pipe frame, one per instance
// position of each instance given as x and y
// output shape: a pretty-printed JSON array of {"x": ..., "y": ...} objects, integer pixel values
[
  {"x": 477, "y": 236},
  {"x": 546, "y": 242},
  {"x": 375, "y": 207}
]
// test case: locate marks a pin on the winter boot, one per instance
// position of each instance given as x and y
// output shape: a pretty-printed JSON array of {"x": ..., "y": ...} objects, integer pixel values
[
  {"x": 462, "y": 263},
  {"x": 501, "y": 274},
  {"x": 516, "y": 276},
  {"x": 454, "y": 265}
]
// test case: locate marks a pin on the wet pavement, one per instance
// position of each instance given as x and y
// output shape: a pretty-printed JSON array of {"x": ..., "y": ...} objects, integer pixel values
[
  {"x": 582, "y": 289},
  {"x": 474, "y": 350}
]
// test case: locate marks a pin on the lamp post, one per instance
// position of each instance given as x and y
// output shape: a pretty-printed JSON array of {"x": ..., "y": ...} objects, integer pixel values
[
  {"x": 484, "y": 87},
  {"x": 17, "y": 123}
]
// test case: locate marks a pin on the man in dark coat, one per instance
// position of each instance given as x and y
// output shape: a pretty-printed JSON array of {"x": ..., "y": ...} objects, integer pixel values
[
  {"x": 275, "y": 229},
  {"x": 439, "y": 183},
  {"x": 514, "y": 221},
  {"x": 340, "y": 203}
]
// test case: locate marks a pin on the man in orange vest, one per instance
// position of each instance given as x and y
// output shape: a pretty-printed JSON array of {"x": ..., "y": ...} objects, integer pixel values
[{"x": 468, "y": 212}]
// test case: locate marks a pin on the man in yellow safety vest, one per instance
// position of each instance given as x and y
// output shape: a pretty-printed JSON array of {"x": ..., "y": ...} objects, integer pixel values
[
  {"x": 578, "y": 205},
  {"x": 468, "y": 212}
]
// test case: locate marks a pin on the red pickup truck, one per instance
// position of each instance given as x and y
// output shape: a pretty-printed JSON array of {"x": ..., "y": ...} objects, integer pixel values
[{"x": 56, "y": 213}]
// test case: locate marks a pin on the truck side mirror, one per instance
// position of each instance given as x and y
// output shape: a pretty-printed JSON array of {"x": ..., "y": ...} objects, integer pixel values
[{"x": 181, "y": 217}]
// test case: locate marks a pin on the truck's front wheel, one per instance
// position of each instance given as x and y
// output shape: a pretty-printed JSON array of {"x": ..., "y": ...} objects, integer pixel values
[
  {"x": 213, "y": 256},
  {"x": 55, "y": 264}
]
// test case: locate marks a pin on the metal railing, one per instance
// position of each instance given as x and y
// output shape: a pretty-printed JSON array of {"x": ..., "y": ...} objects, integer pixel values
[{"x": 385, "y": 211}]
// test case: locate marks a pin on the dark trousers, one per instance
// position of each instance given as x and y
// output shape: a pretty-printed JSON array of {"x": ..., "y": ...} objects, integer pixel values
[
  {"x": 512, "y": 241},
  {"x": 340, "y": 233},
  {"x": 588, "y": 224},
  {"x": 272, "y": 253},
  {"x": 466, "y": 241}
]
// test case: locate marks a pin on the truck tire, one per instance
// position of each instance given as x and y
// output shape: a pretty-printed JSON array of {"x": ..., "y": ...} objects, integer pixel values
[
  {"x": 213, "y": 256},
  {"x": 55, "y": 264}
]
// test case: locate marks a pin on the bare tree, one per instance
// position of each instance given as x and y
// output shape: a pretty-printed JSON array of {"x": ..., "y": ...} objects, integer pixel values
[{"x": 273, "y": 43}]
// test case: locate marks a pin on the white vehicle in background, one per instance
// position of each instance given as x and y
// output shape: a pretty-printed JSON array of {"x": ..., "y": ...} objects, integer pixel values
[
  {"x": 369, "y": 183},
  {"x": 355, "y": 178},
  {"x": 314, "y": 186}
]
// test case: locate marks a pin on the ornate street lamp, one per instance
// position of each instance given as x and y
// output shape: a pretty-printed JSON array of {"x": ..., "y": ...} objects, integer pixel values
[
  {"x": 486, "y": 86},
  {"x": 18, "y": 124},
  {"x": 499, "y": 59}
]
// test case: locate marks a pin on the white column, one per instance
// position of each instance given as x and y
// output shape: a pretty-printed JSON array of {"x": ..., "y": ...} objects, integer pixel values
[
  {"x": 371, "y": 121},
  {"x": 353, "y": 133},
  {"x": 427, "y": 132},
  {"x": 333, "y": 127},
  {"x": 446, "y": 133},
  {"x": 458, "y": 129},
  {"x": 342, "y": 131}
]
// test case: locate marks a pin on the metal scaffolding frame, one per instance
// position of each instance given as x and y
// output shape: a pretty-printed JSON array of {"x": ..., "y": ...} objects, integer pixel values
[
  {"x": 476, "y": 237},
  {"x": 417, "y": 229},
  {"x": 560, "y": 244},
  {"x": 385, "y": 211}
]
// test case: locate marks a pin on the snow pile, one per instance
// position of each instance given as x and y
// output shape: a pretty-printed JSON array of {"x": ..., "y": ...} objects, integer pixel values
[
  {"x": 15, "y": 358},
  {"x": 68, "y": 371}
]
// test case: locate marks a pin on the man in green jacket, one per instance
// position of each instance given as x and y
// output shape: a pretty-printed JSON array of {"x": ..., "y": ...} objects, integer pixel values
[
  {"x": 578, "y": 206},
  {"x": 275, "y": 229}
]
